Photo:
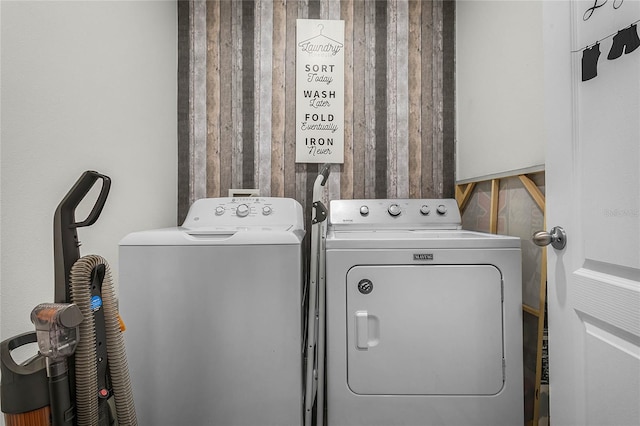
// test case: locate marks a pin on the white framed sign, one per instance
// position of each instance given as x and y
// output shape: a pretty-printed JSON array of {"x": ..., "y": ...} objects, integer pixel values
[{"x": 320, "y": 91}]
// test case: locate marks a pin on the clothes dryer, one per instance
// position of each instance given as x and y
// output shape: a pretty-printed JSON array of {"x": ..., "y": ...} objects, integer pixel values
[
  {"x": 423, "y": 319},
  {"x": 214, "y": 315}
]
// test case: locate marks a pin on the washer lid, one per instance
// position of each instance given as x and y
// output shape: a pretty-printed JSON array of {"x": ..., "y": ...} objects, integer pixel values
[
  {"x": 231, "y": 221},
  {"x": 230, "y": 236}
]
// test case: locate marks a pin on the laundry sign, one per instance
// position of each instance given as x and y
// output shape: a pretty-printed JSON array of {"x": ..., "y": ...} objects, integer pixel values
[{"x": 320, "y": 91}]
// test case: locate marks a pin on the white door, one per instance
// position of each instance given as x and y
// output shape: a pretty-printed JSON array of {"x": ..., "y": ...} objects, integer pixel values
[{"x": 593, "y": 192}]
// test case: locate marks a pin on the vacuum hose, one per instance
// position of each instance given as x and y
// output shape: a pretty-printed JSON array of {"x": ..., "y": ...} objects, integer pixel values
[{"x": 85, "y": 357}]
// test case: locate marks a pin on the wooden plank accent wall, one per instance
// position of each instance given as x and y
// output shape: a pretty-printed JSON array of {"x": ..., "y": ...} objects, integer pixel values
[{"x": 236, "y": 99}]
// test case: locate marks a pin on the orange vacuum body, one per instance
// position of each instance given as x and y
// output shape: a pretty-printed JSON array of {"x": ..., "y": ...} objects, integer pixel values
[{"x": 24, "y": 389}]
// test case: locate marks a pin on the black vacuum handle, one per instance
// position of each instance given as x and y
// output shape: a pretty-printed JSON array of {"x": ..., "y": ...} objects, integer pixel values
[
  {"x": 65, "y": 236},
  {"x": 79, "y": 191}
]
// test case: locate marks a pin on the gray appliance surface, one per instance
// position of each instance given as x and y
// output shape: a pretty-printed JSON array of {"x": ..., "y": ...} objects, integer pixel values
[
  {"x": 424, "y": 319},
  {"x": 213, "y": 311}
]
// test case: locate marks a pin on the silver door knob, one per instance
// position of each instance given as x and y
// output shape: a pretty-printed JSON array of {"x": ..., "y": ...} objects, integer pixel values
[{"x": 557, "y": 237}]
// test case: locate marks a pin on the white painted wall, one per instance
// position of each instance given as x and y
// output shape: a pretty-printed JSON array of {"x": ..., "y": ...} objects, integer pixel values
[
  {"x": 499, "y": 86},
  {"x": 84, "y": 85}
]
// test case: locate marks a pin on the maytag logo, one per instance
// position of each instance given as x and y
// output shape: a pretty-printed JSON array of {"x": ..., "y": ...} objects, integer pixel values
[{"x": 423, "y": 256}]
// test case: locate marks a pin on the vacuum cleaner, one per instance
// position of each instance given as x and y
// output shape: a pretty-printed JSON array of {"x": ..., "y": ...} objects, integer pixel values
[{"x": 79, "y": 377}]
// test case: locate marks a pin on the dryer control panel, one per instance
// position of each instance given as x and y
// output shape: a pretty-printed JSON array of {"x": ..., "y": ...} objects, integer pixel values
[{"x": 395, "y": 214}]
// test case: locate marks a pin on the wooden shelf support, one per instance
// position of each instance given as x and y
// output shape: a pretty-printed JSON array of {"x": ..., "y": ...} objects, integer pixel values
[
  {"x": 493, "y": 214},
  {"x": 463, "y": 196}
]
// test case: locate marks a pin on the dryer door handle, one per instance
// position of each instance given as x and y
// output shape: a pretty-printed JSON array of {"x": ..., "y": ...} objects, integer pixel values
[
  {"x": 362, "y": 330},
  {"x": 367, "y": 330}
]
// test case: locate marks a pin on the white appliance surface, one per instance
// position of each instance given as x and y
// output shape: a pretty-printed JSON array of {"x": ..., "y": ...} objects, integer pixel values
[
  {"x": 424, "y": 319},
  {"x": 213, "y": 311}
]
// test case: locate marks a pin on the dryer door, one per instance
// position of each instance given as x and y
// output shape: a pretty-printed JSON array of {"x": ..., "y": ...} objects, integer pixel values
[{"x": 425, "y": 330}]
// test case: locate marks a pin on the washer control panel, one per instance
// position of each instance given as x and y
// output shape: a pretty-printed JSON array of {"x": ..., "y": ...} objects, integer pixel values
[
  {"x": 244, "y": 212},
  {"x": 396, "y": 213}
]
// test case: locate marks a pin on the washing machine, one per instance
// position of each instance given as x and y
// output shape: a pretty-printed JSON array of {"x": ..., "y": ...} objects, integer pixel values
[
  {"x": 213, "y": 314},
  {"x": 423, "y": 319}
]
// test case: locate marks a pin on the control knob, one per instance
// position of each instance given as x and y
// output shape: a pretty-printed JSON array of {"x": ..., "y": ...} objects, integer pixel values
[
  {"x": 242, "y": 210},
  {"x": 442, "y": 210},
  {"x": 219, "y": 211},
  {"x": 267, "y": 210},
  {"x": 394, "y": 210},
  {"x": 425, "y": 210},
  {"x": 364, "y": 210}
]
